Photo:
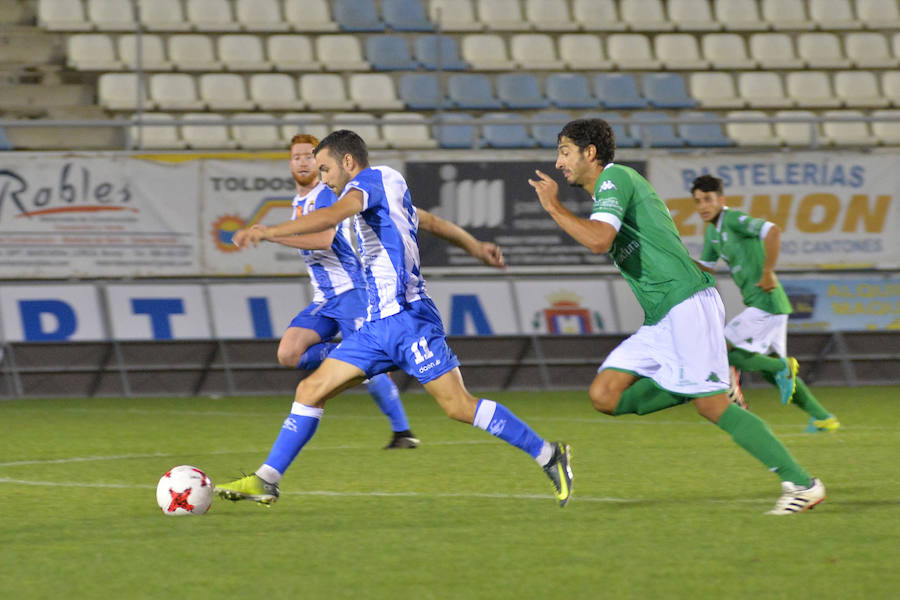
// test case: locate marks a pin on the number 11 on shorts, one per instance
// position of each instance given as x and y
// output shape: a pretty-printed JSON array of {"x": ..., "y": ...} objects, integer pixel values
[{"x": 420, "y": 350}]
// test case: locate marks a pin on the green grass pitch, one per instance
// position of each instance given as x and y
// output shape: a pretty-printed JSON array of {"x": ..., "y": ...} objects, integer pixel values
[{"x": 665, "y": 506}]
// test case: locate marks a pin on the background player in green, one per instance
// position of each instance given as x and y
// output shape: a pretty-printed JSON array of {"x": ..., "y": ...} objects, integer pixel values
[
  {"x": 757, "y": 338},
  {"x": 679, "y": 353}
]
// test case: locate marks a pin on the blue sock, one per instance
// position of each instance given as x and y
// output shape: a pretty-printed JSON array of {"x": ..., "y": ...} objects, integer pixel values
[
  {"x": 387, "y": 397},
  {"x": 497, "y": 420},
  {"x": 315, "y": 354},
  {"x": 297, "y": 429}
]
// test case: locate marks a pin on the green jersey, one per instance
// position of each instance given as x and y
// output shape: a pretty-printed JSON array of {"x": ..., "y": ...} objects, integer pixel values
[
  {"x": 647, "y": 248},
  {"x": 735, "y": 238}
]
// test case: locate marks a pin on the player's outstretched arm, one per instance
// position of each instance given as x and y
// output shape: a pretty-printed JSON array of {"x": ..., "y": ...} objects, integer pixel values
[
  {"x": 487, "y": 252},
  {"x": 321, "y": 240},
  {"x": 772, "y": 243},
  {"x": 596, "y": 236},
  {"x": 316, "y": 221}
]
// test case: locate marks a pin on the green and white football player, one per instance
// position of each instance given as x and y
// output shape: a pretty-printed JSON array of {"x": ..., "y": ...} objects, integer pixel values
[
  {"x": 678, "y": 355},
  {"x": 757, "y": 337}
]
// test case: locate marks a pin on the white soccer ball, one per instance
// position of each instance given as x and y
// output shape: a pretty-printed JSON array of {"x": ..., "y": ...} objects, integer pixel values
[{"x": 184, "y": 490}]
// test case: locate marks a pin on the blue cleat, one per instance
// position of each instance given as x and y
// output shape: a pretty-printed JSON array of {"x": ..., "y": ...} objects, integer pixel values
[{"x": 786, "y": 379}]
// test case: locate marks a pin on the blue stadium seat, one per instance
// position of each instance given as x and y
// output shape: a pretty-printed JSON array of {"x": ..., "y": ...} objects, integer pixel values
[
  {"x": 520, "y": 90},
  {"x": 357, "y": 15},
  {"x": 703, "y": 132},
  {"x": 570, "y": 90},
  {"x": 389, "y": 53},
  {"x": 623, "y": 140},
  {"x": 472, "y": 91},
  {"x": 661, "y": 135},
  {"x": 438, "y": 52},
  {"x": 457, "y": 135},
  {"x": 666, "y": 90},
  {"x": 545, "y": 134},
  {"x": 405, "y": 15},
  {"x": 618, "y": 91},
  {"x": 506, "y": 135},
  {"x": 422, "y": 91}
]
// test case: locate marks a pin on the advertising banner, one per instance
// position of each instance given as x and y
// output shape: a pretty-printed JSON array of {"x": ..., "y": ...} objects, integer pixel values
[
  {"x": 76, "y": 216},
  {"x": 844, "y": 304},
  {"x": 565, "y": 306},
  {"x": 256, "y": 310},
  {"x": 834, "y": 209},
  {"x": 51, "y": 313},
  {"x": 158, "y": 312}
]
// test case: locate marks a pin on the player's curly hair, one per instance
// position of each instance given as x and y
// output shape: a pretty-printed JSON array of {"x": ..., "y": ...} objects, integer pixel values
[
  {"x": 591, "y": 132},
  {"x": 342, "y": 142},
  {"x": 707, "y": 183},
  {"x": 304, "y": 138}
]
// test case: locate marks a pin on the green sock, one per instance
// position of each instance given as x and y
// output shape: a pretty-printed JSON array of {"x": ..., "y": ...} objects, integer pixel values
[
  {"x": 753, "y": 435},
  {"x": 753, "y": 361},
  {"x": 804, "y": 399},
  {"x": 644, "y": 397}
]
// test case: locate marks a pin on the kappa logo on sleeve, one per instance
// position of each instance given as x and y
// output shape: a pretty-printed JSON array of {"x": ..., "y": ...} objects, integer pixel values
[{"x": 608, "y": 185}]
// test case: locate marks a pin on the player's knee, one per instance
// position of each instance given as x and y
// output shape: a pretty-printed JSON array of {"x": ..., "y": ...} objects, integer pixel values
[
  {"x": 603, "y": 398},
  {"x": 288, "y": 356},
  {"x": 312, "y": 390}
]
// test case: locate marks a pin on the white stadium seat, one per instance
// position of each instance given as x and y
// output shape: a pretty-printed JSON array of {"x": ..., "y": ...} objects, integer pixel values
[
  {"x": 406, "y": 130},
  {"x": 597, "y": 15},
  {"x": 341, "y": 52},
  {"x": 163, "y": 15},
  {"x": 774, "y": 51},
  {"x": 859, "y": 89},
  {"x": 833, "y": 14},
  {"x": 890, "y": 86},
  {"x": 111, "y": 15},
  {"x": 879, "y": 14},
  {"x": 62, "y": 15},
  {"x": 486, "y": 52},
  {"x": 763, "y": 89},
  {"x": 374, "y": 91},
  {"x": 119, "y": 91},
  {"x": 726, "y": 51},
  {"x": 153, "y": 55},
  {"x": 692, "y": 15},
  {"x": 549, "y": 15},
  {"x": 324, "y": 91},
  {"x": 821, "y": 51},
  {"x": 631, "y": 51},
  {"x": 260, "y": 15},
  {"x": 887, "y": 132},
  {"x": 309, "y": 15},
  {"x": 309, "y": 123},
  {"x": 846, "y": 133},
  {"x": 242, "y": 52},
  {"x": 750, "y": 133},
  {"x": 679, "y": 51},
  {"x": 274, "y": 91},
  {"x": 800, "y": 133},
  {"x": 92, "y": 52},
  {"x": 193, "y": 52},
  {"x": 454, "y": 15},
  {"x": 811, "y": 89},
  {"x": 502, "y": 15},
  {"x": 869, "y": 50},
  {"x": 362, "y": 123},
  {"x": 211, "y": 15},
  {"x": 256, "y": 136},
  {"x": 583, "y": 51},
  {"x": 156, "y": 136},
  {"x": 786, "y": 14},
  {"x": 714, "y": 89},
  {"x": 738, "y": 15},
  {"x": 224, "y": 91},
  {"x": 174, "y": 91},
  {"x": 645, "y": 15},
  {"x": 205, "y": 136},
  {"x": 534, "y": 51},
  {"x": 292, "y": 52}
]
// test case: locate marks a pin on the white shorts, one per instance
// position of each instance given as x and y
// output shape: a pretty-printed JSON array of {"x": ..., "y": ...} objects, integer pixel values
[
  {"x": 684, "y": 353},
  {"x": 757, "y": 331}
]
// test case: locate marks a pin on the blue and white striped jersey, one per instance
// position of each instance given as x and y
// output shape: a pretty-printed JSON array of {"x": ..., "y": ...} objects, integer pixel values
[
  {"x": 338, "y": 269},
  {"x": 388, "y": 241}
]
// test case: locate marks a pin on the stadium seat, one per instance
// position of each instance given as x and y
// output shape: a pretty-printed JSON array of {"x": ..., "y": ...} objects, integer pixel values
[
  {"x": 309, "y": 15},
  {"x": 324, "y": 91},
  {"x": 5, "y": 144},
  {"x": 859, "y": 89},
  {"x": 260, "y": 15},
  {"x": 421, "y": 91},
  {"x": 62, "y": 15},
  {"x": 870, "y": 50},
  {"x": 645, "y": 15},
  {"x": 701, "y": 131},
  {"x": 211, "y": 15},
  {"x": 500, "y": 134},
  {"x": 714, "y": 89},
  {"x": 811, "y": 89},
  {"x": 546, "y": 125},
  {"x": 174, "y": 91},
  {"x": 472, "y": 91},
  {"x": 213, "y": 135},
  {"x": 520, "y": 90},
  {"x": 653, "y": 134},
  {"x": 749, "y": 133},
  {"x": 296, "y": 122},
  {"x": 798, "y": 133},
  {"x": 156, "y": 136},
  {"x": 597, "y": 15},
  {"x": 617, "y": 122},
  {"x": 549, "y": 15},
  {"x": 878, "y": 14},
  {"x": 92, "y": 52},
  {"x": 692, "y": 15},
  {"x": 253, "y": 136},
  {"x": 163, "y": 15},
  {"x": 486, "y": 52},
  {"x": 438, "y": 52},
  {"x": 357, "y": 15},
  {"x": 274, "y": 91},
  {"x": 887, "y": 132},
  {"x": 224, "y": 91},
  {"x": 583, "y": 51},
  {"x": 406, "y": 130},
  {"x": 342, "y": 52},
  {"x": 618, "y": 91},
  {"x": 242, "y": 52},
  {"x": 363, "y": 124},
  {"x": 833, "y": 14},
  {"x": 786, "y": 14},
  {"x": 190, "y": 52},
  {"x": 454, "y": 130},
  {"x": 679, "y": 51},
  {"x": 774, "y": 51},
  {"x": 292, "y": 52},
  {"x": 570, "y": 90},
  {"x": 153, "y": 56},
  {"x": 666, "y": 90},
  {"x": 821, "y": 51},
  {"x": 389, "y": 53},
  {"x": 405, "y": 15},
  {"x": 738, "y": 15},
  {"x": 631, "y": 51},
  {"x": 534, "y": 51},
  {"x": 454, "y": 15},
  {"x": 374, "y": 91},
  {"x": 111, "y": 15},
  {"x": 890, "y": 86},
  {"x": 763, "y": 89},
  {"x": 502, "y": 15},
  {"x": 118, "y": 91},
  {"x": 841, "y": 132},
  {"x": 726, "y": 51}
]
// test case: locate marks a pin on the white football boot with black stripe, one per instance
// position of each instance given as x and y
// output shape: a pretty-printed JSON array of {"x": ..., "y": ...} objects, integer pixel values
[{"x": 795, "y": 499}]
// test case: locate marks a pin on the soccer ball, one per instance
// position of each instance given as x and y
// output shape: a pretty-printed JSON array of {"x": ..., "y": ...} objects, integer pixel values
[{"x": 184, "y": 490}]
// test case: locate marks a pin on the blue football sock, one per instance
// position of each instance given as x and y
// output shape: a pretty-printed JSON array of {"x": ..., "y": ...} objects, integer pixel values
[
  {"x": 315, "y": 354},
  {"x": 497, "y": 420},
  {"x": 387, "y": 397},
  {"x": 297, "y": 429}
]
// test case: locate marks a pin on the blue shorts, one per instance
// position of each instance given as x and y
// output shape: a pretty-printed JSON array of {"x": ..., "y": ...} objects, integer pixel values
[
  {"x": 413, "y": 340},
  {"x": 344, "y": 313}
]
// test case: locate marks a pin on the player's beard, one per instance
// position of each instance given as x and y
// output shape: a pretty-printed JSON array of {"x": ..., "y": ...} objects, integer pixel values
[{"x": 305, "y": 181}]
